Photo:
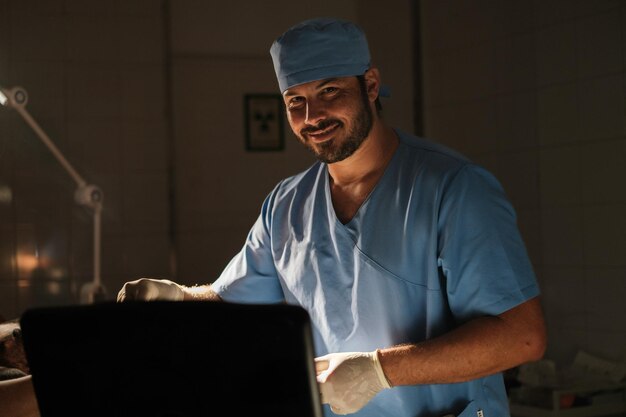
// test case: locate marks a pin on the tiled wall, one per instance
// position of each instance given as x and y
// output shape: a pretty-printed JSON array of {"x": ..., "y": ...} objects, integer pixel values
[
  {"x": 154, "y": 116},
  {"x": 535, "y": 91},
  {"x": 95, "y": 75}
]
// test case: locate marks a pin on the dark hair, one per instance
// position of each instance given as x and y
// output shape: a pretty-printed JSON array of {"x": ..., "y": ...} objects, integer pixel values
[{"x": 363, "y": 85}]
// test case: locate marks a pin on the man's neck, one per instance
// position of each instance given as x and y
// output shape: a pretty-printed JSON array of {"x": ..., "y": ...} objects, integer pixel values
[
  {"x": 354, "y": 178},
  {"x": 369, "y": 160}
]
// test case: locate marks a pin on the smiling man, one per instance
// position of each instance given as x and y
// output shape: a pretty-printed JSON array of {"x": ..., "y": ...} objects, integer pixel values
[
  {"x": 319, "y": 112},
  {"x": 334, "y": 119},
  {"x": 405, "y": 254}
]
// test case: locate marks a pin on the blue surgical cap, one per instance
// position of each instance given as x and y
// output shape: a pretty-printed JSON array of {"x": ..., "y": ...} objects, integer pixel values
[{"x": 317, "y": 49}]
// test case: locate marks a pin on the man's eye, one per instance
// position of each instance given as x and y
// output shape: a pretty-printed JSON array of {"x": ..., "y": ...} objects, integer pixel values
[
  {"x": 330, "y": 90},
  {"x": 296, "y": 103}
]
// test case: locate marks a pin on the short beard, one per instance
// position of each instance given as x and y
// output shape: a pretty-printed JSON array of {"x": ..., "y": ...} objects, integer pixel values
[{"x": 330, "y": 152}]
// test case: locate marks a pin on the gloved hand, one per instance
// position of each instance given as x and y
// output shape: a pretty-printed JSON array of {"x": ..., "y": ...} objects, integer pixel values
[
  {"x": 147, "y": 289},
  {"x": 349, "y": 380}
]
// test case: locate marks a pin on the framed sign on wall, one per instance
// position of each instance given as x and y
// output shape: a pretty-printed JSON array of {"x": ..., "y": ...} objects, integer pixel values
[{"x": 264, "y": 122}]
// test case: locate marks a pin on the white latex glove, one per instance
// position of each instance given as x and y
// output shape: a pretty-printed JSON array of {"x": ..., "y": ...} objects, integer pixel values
[
  {"x": 349, "y": 380},
  {"x": 147, "y": 289}
]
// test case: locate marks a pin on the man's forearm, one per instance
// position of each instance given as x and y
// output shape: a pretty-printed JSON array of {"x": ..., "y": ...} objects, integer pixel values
[
  {"x": 481, "y": 347},
  {"x": 200, "y": 292}
]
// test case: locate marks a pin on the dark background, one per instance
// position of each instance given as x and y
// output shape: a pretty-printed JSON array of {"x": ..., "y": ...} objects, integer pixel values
[{"x": 146, "y": 100}]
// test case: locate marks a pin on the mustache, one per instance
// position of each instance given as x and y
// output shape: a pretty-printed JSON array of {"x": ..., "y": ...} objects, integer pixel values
[{"x": 320, "y": 126}]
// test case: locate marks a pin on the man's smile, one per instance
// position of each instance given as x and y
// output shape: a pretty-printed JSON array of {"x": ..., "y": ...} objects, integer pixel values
[{"x": 321, "y": 135}]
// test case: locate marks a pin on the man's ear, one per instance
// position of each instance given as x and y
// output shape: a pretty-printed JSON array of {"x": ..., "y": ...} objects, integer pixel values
[{"x": 372, "y": 82}]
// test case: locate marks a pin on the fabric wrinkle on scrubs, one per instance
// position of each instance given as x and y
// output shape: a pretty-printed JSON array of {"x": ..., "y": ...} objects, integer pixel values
[{"x": 435, "y": 244}]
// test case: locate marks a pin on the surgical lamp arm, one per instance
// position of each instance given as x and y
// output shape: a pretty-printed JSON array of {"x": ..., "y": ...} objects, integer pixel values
[{"x": 87, "y": 195}]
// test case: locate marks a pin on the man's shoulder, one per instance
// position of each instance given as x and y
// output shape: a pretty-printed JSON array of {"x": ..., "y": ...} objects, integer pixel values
[
  {"x": 306, "y": 179},
  {"x": 418, "y": 146},
  {"x": 426, "y": 159}
]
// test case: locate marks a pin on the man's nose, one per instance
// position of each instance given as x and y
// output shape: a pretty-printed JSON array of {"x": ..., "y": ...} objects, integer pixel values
[{"x": 315, "y": 113}]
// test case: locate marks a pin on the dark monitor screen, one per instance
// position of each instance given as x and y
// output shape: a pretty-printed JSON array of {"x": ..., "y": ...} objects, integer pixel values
[{"x": 170, "y": 359}]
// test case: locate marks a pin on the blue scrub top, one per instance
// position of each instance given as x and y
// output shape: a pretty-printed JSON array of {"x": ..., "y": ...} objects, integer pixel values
[{"x": 434, "y": 245}]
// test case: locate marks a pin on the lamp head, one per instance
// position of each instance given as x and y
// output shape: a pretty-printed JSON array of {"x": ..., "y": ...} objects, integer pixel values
[
  {"x": 3, "y": 98},
  {"x": 15, "y": 97}
]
